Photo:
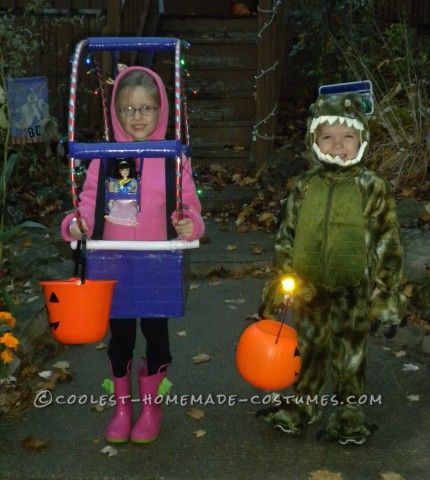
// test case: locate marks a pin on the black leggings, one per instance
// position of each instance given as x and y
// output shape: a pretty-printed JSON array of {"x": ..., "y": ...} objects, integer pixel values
[{"x": 123, "y": 339}]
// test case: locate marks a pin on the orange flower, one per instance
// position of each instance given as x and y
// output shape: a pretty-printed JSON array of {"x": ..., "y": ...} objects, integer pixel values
[
  {"x": 6, "y": 356},
  {"x": 9, "y": 340},
  {"x": 8, "y": 318}
]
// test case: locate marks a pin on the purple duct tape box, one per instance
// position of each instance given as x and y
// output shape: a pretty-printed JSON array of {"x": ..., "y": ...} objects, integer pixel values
[{"x": 150, "y": 283}]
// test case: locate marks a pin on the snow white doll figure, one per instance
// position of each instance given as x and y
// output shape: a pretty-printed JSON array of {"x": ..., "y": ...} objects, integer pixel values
[{"x": 122, "y": 194}]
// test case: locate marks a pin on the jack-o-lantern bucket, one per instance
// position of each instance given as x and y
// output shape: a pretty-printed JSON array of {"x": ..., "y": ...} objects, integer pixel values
[
  {"x": 78, "y": 312},
  {"x": 267, "y": 356}
]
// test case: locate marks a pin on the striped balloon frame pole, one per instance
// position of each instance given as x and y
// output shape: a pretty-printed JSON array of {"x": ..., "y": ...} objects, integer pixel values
[
  {"x": 178, "y": 93},
  {"x": 71, "y": 126}
]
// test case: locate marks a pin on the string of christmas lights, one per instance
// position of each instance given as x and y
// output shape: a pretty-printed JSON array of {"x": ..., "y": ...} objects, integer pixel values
[
  {"x": 273, "y": 12},
  {"x": 255, "y": 133},
  {"x": 263, "y": 72}
]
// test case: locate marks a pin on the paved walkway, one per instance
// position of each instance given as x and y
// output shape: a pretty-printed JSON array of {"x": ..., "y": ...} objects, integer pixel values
[{"x": 235, "y": 444}]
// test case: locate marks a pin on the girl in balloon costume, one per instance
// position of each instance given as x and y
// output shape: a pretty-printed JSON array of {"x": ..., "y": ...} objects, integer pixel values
[
  {"x": 339, "y": 237},
  {"x": 139, "y": 111}
]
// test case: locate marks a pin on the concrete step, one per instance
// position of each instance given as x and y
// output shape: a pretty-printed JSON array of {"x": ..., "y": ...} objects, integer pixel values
[
  {"x": 186, "y": 23},
  {"x": 224, "y": 135},
  {"x": 223, "y": 154},
  {"x": 196, "y": 7},
  {"x": 219, "y": 133},
  {"x": 218, "y": 38},
  {"x": 224, "y": 108}
]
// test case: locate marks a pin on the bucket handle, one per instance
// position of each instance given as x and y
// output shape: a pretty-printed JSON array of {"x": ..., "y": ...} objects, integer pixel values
[{"x": 80, "y": 255}]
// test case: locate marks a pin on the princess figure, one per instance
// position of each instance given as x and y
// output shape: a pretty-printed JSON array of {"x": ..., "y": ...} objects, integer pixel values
[{"x": 123, "y": 210}]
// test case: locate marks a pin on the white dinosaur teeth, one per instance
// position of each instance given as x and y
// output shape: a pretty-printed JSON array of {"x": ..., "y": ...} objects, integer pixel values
[
  {"x": 314, "y": 124},
  {"x": 331, "y": 119},
  {"x": 357, "y": 124},
  {"x": 337, "y": 160}
]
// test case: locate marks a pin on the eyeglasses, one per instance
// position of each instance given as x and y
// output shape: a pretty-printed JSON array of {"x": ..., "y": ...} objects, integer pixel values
[{"x": 144, "y": 110}]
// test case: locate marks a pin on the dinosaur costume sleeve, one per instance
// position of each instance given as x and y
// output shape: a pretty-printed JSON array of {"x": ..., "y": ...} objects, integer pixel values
[
  {"x": 388, "y": 302},
  {"x": 285, "y": 237}
]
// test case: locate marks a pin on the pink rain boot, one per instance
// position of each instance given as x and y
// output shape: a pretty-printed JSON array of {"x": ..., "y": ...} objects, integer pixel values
[
  {"x": 118, "y": 429},
  {"x": 148, "y": 425}
]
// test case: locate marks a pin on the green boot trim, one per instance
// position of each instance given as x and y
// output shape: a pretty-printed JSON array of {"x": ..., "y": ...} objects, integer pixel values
[{"x": 164, "y": 387}]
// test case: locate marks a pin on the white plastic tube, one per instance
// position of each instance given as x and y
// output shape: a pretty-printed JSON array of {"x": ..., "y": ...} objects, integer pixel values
[{"x": 168, "y": 245}]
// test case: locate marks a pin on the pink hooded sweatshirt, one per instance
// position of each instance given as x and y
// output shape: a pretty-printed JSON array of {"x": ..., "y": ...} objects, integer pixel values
[{"x": 152, "y": 214}]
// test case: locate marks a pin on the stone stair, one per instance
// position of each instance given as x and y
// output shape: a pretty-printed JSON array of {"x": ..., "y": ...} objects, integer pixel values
[{"x": 221, "y": 62}]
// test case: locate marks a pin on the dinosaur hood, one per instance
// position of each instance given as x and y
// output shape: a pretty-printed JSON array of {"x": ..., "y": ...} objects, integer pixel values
[{"x": 345, "y": 108}]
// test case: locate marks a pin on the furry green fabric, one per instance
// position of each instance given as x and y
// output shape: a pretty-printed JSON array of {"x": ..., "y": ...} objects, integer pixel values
[{"x": 329, "y": 245}]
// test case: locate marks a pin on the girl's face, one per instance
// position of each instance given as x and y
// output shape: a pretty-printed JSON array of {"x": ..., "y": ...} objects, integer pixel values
[
  {"x": 338, "y": 140},
  {"x": 138, "y": 112}
]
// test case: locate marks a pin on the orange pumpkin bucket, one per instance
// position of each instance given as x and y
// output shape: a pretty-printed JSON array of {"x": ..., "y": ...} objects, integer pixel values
[
  {"x": 78, "y": 312},
  {"x": 267, "y": 356}
]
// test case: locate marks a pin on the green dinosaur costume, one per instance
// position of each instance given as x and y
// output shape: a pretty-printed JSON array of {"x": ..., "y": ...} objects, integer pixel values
[{"x": 339, "y": 235}]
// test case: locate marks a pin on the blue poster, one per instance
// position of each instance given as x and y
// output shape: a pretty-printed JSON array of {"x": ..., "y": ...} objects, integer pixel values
[{"x": 28, "y": 108}]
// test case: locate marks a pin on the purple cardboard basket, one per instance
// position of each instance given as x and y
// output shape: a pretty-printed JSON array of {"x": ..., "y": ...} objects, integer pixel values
[{"x": 150, "y": 283}]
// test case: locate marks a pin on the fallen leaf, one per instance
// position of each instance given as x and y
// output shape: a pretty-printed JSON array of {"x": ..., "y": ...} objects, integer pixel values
[
  {"x": 62, "y": 365},
  {"x": 98, "y": 407},
  {"x": 109, "y": 450},
  {"x": 413, "y": 398},
  {"x": 199, "y": 433},
  {"x": 101, "y": 346},
  {"x": 425, "y": 217},
  {"x": 205, "y": 239},
  {"x": 32, "y": 299},
  {"x": 181, "y": 333},
  {"x": 410, "y": 367},
  {"x": 409, "y": 290},
  {"x": 28, "y": 372},
  {"x": 230, "y": 248},
  {"x": 406, "y": 192},
  {"x": 31, "y": 443},
  {"x": 257, "y": 273},
  {"x": 196, "y": 413},
  {"x": 391, "y": 476},
  {"x": 324, "y": 475},
  {"x": 400, "y": 353},
  {"x": 201, "y": 358},
  {"x": 194, "y": 285},
  {"x": 257, "y": 250}
]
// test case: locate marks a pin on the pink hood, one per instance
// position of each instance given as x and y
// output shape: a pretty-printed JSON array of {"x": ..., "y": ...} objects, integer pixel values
[{"x": 152, "y": 216}]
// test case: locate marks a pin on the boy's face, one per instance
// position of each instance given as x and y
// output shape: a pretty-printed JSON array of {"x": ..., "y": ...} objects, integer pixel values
[{"x": 338, "y": 140}]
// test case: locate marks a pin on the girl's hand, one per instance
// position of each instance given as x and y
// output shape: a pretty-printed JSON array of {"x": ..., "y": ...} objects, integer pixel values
[
  {"x": 184, "y": 227},
  {"x": 75, "y": 231}
]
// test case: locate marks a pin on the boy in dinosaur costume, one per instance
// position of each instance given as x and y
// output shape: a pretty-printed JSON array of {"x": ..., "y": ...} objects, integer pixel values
[{"x": 339, "y": 236}]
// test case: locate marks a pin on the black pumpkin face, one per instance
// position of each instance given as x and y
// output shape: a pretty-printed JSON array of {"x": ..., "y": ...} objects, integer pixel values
[
  {"x": 297, "y": 354},
  {"x": 53, "y": 299}
]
